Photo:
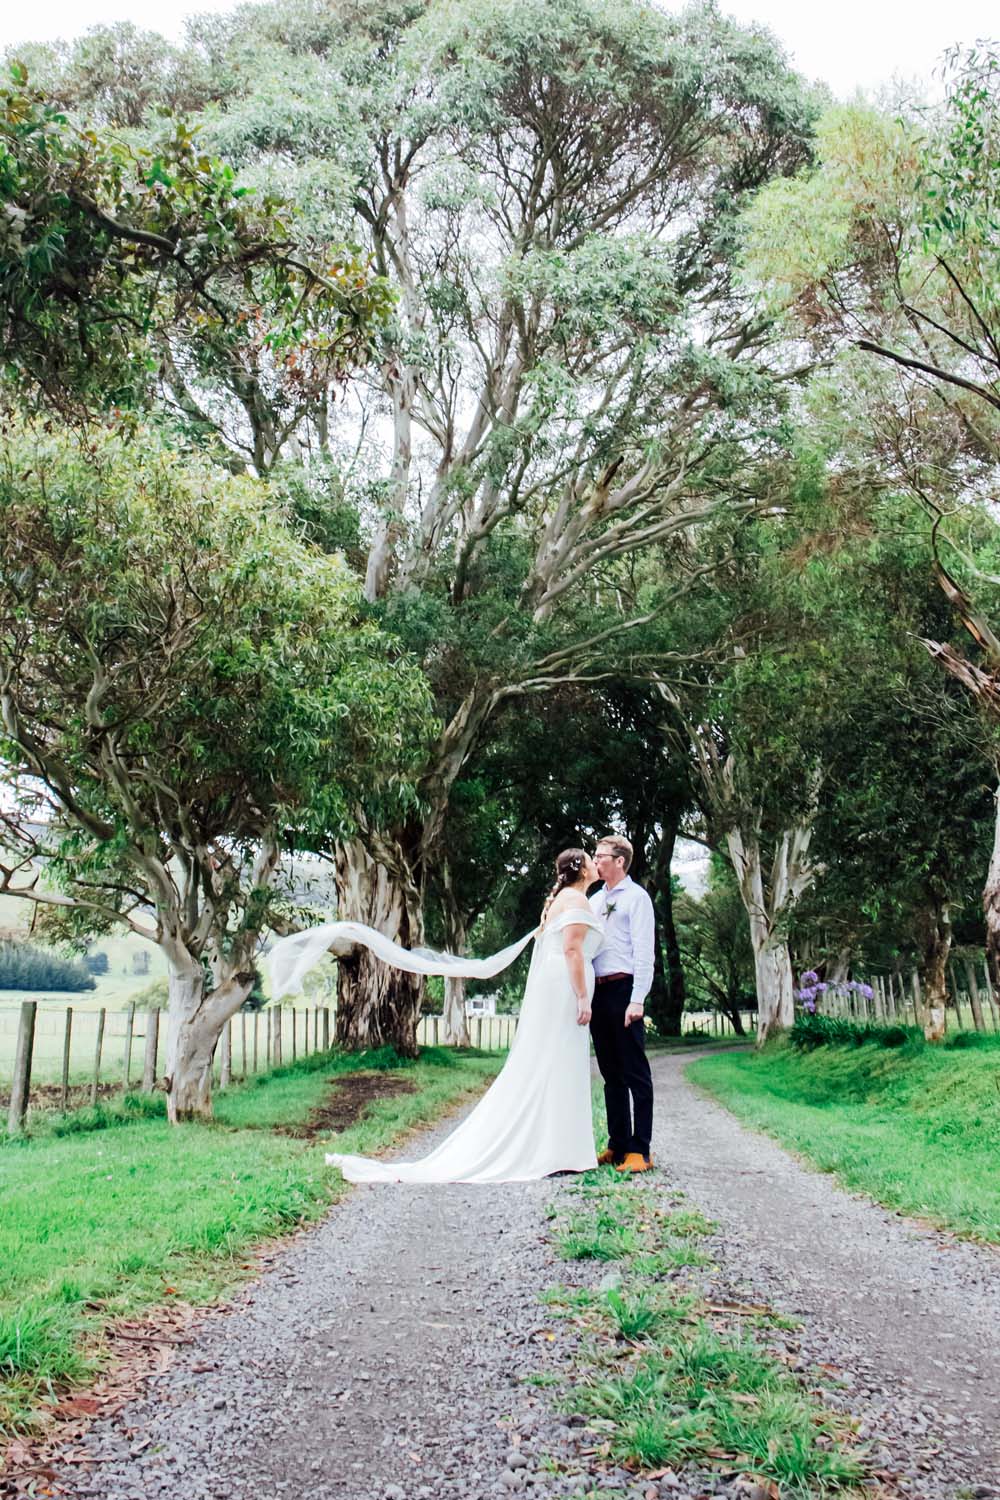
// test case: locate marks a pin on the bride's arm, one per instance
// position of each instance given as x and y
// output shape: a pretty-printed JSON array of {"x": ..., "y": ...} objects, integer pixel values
[{"x": 573, "y": 936}]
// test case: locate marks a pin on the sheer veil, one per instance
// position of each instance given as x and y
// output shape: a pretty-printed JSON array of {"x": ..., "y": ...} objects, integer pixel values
[{"x": 292, "y": 957}]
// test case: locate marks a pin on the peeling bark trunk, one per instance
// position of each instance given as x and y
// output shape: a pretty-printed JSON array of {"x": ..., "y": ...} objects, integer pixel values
[
  {"x": 768, "y": 905},
  {"x": 991, "y": 905},
  {"x": 378, "y": 1006},
  {"x": 935, "y": 935},
  {"x": 773, "y": 972},
  {"x": 189, "y": 1045},
  {"x": 454, "y": 1024},
  {"x": 194, "y": 1025}
]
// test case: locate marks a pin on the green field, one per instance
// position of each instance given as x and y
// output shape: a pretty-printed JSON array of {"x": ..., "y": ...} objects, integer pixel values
[
  {"x": 112, "y": 1212},
  {"x": 917, "y": 1128}
]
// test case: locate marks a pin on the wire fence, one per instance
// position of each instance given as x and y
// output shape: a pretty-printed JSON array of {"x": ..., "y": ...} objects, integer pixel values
[{"x": 63, "y": 1057}]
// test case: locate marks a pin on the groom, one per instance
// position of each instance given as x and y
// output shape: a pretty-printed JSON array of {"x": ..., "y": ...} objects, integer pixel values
[{"x": 623, "y": 969}]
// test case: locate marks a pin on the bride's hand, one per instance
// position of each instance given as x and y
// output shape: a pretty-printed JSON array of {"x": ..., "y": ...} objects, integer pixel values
[{"x": 583, "y": 1013}]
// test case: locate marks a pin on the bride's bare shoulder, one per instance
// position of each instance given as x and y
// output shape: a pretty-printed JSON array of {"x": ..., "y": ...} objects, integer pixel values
[{"x": 567, "y": 901}]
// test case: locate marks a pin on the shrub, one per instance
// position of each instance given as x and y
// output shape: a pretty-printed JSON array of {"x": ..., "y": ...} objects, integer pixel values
[
  {"x": 812, "y": 1031},
  {"x": 23, "y": 967},
  {"x": 974, "y": 1039}
]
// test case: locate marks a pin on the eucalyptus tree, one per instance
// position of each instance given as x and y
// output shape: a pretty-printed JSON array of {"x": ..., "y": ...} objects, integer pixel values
[
  {"x": 571, "y": 377},
  {"x": 188, "y": 691},
  {"x": 889, "y": 245},
  {"x": 123, "y": 264}
]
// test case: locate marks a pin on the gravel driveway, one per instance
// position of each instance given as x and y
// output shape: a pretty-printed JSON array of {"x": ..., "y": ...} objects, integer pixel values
[{"x": 382, "y": 1355}]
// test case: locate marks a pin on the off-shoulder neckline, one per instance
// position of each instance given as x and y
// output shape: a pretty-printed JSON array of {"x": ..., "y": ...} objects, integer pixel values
[{"x": 579, "y": 913}]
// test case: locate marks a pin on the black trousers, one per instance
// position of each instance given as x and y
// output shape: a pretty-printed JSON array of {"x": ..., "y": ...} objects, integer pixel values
[{"x": 621, "y": 1057}]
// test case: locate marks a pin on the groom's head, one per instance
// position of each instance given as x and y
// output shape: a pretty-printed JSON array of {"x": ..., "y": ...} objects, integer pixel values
[{"x": 612, "y": 857}]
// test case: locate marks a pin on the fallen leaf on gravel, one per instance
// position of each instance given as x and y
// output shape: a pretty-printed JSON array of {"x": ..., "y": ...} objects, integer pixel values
[
  {"x": 79, "y": 1406},
  {"x": 744, "y": 1309}
]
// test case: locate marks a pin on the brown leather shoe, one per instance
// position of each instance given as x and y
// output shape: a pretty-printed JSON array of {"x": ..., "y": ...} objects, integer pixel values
[
  {"x": 635, "y": 1163},
  {"x": 607, "y": 1158}
]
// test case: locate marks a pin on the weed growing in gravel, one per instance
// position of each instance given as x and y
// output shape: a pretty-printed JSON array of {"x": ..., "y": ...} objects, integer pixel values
[
  {"x": 663, "y": 1379},
  {"x": 634, "y": 1315},
  {"x": 581, "y": 1240}
]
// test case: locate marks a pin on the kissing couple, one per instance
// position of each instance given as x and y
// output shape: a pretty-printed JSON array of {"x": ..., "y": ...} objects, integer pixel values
[{"x": 592, "y": 967}]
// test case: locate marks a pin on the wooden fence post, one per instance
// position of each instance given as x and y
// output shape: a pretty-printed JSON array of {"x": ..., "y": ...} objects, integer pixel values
[
  {"x": 67, "y": 1041},
  {"x": 226, "y": 1055},
  {"x": 991, "y": 997},
  {"x": 20, "y": 1088},
  {"x": 278, "y": 1014},
  {"x": 294, "y": 1029},
  {"x": 918, "y": 1004},
  {"x": 256, "y": 1039},
  {"x": 243, "y": 1044},
  {"x": 326, "y": 1028},
  {"x": 95, "y": 1085},
  {"x": 129, "y": 1028},
  {"x": 150, "y": 1050}
]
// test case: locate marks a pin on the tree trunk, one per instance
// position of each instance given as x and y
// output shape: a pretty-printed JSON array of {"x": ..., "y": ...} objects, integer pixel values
[
  {"x": 454, "y": 1023},
  {"x": 768, "y": 905},
  {"x": 190, "y": 1045},
  {"x": 773, "y": 972},
  {"x": 935, "y": 933},
  {"x": 972, "y": 984},
  {"x": 194, "y": 1025},
  {"x": 736, "y": 1017},
  {"x": 670, "y": 993},
  {"x": 378, "y": 1006},
  {"x": 838, "y": 971},
  {"x": 991, "y": 904}
]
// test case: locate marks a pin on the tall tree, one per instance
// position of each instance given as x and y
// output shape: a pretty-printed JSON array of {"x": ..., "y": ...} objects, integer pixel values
[
  {"x": 187, "y": 692},
  {"x": 572, "y": 373}
]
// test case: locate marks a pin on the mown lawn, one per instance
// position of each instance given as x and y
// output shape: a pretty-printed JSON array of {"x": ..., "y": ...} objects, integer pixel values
[
  {"x": 111, "y": 1212},
  {"x": 917, "y": 1127}
]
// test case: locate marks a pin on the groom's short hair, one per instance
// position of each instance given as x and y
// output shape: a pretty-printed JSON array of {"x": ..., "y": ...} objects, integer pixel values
[{"x": 620, "y": 847}]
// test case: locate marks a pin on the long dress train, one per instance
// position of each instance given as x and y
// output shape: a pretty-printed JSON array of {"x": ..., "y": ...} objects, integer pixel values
[{"x": 535, "y": 1118}]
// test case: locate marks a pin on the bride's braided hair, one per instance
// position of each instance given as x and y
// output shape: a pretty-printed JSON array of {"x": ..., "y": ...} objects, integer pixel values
[{"x": 568, "y": 866}]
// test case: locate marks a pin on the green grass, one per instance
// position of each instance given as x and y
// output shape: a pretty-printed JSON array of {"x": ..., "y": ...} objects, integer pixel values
[
  {"x": 917, "y": 1127},
  {"x": 662, "y": 1381},
  {"x": 100, "y": 1222}
]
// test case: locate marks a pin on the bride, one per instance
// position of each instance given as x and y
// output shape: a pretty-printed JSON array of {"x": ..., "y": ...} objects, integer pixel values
[{"x": 535, "y": 1118}]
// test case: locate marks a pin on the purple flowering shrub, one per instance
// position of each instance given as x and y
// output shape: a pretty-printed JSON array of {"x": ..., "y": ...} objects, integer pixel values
[{"x": 811, "y": 988}]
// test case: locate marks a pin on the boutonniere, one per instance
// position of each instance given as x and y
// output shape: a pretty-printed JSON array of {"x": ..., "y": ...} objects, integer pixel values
[{"x": 611, "y": 908}]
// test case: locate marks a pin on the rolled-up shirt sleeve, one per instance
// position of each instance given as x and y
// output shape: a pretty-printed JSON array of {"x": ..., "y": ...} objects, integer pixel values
[{"x": 642, "y": 926}]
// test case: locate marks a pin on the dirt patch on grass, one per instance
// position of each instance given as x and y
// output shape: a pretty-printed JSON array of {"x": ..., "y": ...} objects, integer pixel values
[{"x": 347, "y": 1102}]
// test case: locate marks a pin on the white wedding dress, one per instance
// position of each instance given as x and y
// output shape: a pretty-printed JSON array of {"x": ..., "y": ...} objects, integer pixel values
[{"x": 535, "y": 1118}]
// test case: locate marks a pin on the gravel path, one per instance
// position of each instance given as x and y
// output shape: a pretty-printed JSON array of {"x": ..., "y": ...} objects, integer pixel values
[
  {"x": 382, "y": 1355},
  {"x": 910, "y": 1316}
]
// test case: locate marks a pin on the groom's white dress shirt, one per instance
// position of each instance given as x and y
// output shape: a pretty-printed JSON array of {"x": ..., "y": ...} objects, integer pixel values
[{"x": 626, "y": 915}]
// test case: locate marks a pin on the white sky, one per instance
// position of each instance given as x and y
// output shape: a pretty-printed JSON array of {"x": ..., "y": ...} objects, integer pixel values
[{"x": 851, "y": 44}]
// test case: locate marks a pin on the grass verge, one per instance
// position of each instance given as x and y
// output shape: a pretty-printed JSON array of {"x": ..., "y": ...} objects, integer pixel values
[
  {"x": 668, "y": 1379},
  {"x": 111, "y": 1212},
  {"x": 917, "y": 1128}
]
